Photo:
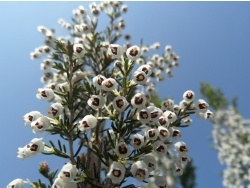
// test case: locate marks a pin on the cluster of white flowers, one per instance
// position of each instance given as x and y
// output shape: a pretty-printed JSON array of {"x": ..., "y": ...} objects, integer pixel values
[
  {"x": 89, "y": 78},
  {"x": 231, "y": 136}
]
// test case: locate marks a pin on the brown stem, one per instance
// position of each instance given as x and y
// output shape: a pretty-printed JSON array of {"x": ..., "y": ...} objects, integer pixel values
[{"x": 71, "y": 113}]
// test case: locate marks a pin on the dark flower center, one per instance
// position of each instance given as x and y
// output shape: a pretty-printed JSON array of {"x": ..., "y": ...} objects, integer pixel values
[
  {"x": 85, "y": 124},
  {"x": 151, "y": 133},
  {"x": 95, "y": 101},
  {"x": 123, "y": 149},
  {"x": 108, "y": 84},
  {"x": 133, "y": 51},
  {"x": 43, "y": 93},
  {"x": 79, "y": 49},
  {"x": 164, "y": 133},
  {"x": 120, "y": 103},
  {"x": 162, "y": 121},
  {"x": 176, "y": 133},
  {"x": 113, "y": 50},
  {"x": 170, "y": 116},
  {"x": 116, "y": 173},
  {"x": 67, "y": 174},
  {"x": 33, "y": 147},
  {"x": 154, "y": 114},
  {"x": 183, "y": 148},
  {"x": 30, "y": 118},
  {"x": 144, "y": 69},
  {"x": 100, "y": 80},
  {"x": 138, "y": 100},
  {"x": 160, "y": 149},
  {"x": 189, "y": 95},
  {"x": 202, "y": 106},
  {"x": 141, "y": 173},
  {"x": 151, "y": 165},
  {"x": 54, "y": 111},
  {"x": 137, "y": 141},
  {"x": 140, "y": 77},
  {"x": 143, "y": 114}
]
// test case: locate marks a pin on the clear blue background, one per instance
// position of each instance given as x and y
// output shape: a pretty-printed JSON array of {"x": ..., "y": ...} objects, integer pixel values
[{"x": 212, "y": 39}]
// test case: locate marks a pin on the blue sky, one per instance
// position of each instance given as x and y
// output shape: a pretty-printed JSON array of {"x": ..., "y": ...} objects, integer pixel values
[{"x": 211, "y": 38}]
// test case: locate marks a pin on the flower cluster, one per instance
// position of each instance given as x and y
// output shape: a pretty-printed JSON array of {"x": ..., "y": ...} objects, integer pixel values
[
  {"x": 101, "y": 97},
  {"x": 231, "y": 134}
]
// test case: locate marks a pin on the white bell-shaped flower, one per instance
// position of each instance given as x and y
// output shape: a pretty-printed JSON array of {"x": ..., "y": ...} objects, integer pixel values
[
  {"x": 167, "y": 105},
  {"x": 138, "y": 101},
  {"x": 175, "y": 133},
  {"x": 17, "y": 183},
  {"x": 161, "y": 182},
  {"x": 189, "y": 96},
  {"x": 140, "y": 77},
  {"x": 163, "y": 121},
  {"x": 151, "y": 134},
  {"x": 96, "y": 101},
  {"x": 144, "y": 116},
  {"x": 67, "y": 172},
  {"x": 133, "y": 53},
  {"x": 97, "y": 81},
  {"x": 171, "y": 116},
  {"x": 183, "y": 104},
  {"x": 109, "y": 84},
  {"x": 163, "y": 133},
  {"x": 120, "y": 103},
  {"x": 181, "y": 147},
  {"x": 177, "y": 168},
  {"x": 82, "y": 11},
  {"x": 140, "y": 61},
  {"x": 201, "y": 105},
  {"x": 155, "y": 113},
  {"x": 147, "y": 69},
  {"x": 150, "y": 161},
  {"x": 87, "y": 123},
  {"x": 124, "y": 8},
  {"x": 40, "y": 125},
  {"x": 45, "y": 94},
  {"x": 85, "y": 28},
  {"x": 115, "y": 51},
  {"x": 31, "y": 116},
  {"x": 122, "y": 150},
  {"x": 78, "y": 50},
  {"x": 116, "y": 172},
  {"x": 160, "y": 148},
  {"x": 55, "y": 110},
  {"x": 35, "y": 55},
  {"x": 176, "y": 108},
  {"x": 183, "y": 158},
  {"x": 137, "y": 141},
  {"x": 64, "y": 87},
  {"x": 139, "y": 170},
  {"x": 34, "y": 147},
  {"x": 208, "y": 115},
  {"x": 188, "y": 120}
]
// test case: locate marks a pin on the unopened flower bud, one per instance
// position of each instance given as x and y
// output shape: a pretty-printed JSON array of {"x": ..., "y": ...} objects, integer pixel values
[{"x": 44, "y": 168}]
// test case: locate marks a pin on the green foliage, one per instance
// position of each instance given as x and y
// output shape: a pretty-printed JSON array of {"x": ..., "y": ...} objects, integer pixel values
[
  {"x": 187, "y": 180},
  {"x": 215, "y": 97}
]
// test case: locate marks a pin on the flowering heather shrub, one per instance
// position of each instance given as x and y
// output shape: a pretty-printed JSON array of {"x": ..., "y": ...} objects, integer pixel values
[
  {"x": 100, "y": 94},
  {"x": 231, "y": 136}
]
